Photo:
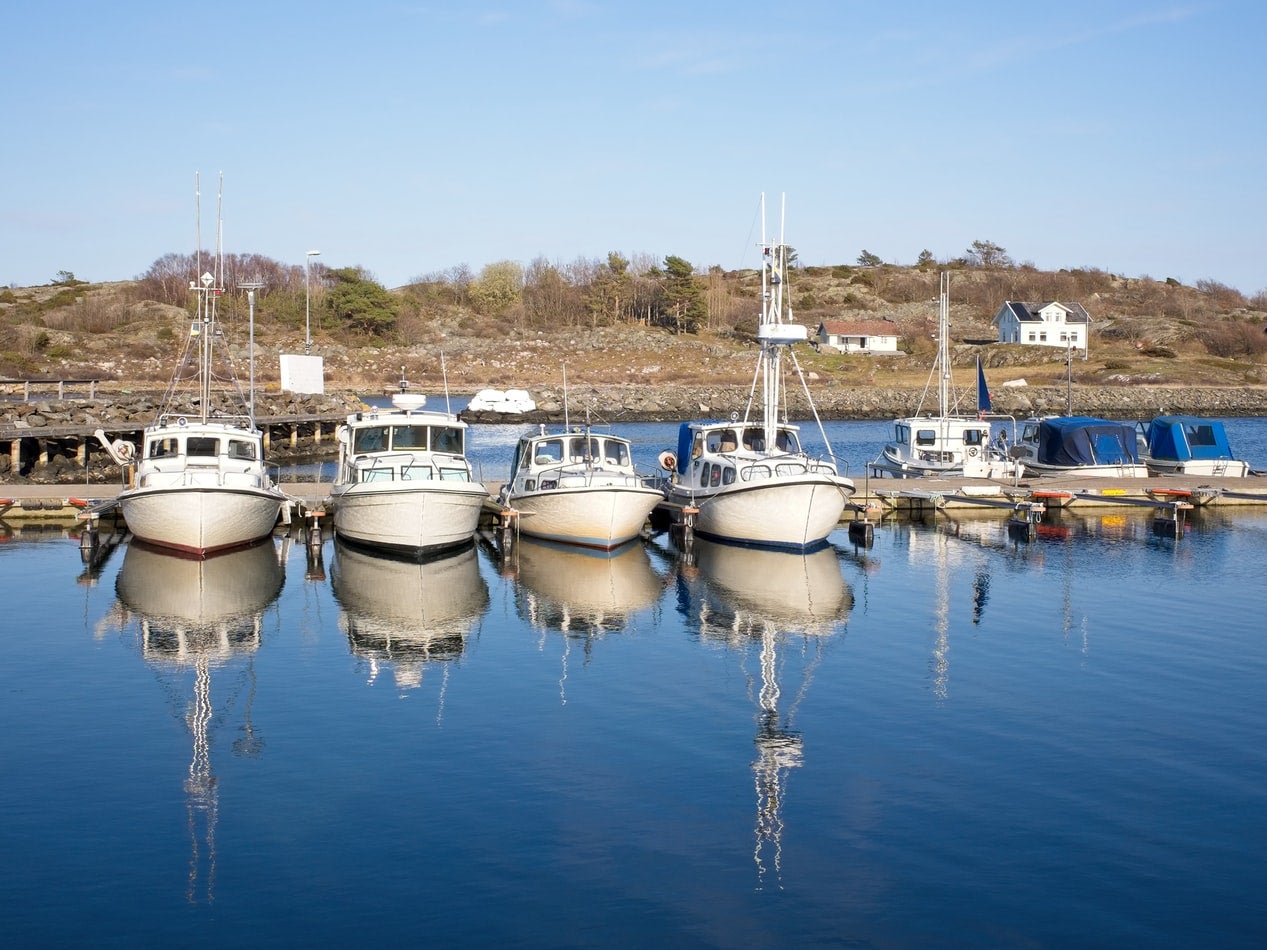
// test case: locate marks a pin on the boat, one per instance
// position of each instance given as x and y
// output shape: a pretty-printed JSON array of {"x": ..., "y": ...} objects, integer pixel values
[
  {"x": 403, "y": 482},
  {"x": 508, "y": 401},
  {"x": 948, "y": 443},
  {"x": 749, "y": 478},
  {"x": 579, "y": 486},
  {"x": 1079, "y": 445},
  {"x": 1187, "y": 445},
  {"x": 199, "y": 484}
]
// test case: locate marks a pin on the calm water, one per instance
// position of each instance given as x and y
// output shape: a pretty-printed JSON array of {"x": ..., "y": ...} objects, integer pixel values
[{"x": 952, "y": 738}]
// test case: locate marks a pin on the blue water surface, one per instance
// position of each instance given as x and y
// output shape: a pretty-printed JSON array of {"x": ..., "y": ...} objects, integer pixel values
[{"x": 955, "y": 737}]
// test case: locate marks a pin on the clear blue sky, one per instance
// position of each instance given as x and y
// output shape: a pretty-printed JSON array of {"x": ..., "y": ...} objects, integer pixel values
[{"x": 409, "y": 137}]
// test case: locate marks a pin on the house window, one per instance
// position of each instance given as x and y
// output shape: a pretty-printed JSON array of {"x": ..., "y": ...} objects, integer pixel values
[
  {"x": 1042, "y": 336},
  {"x": 1033, "y": 337}
]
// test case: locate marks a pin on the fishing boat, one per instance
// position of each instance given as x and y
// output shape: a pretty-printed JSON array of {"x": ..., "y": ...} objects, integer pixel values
[
  {"x": 749, "y": 478},
  {"x": 1186, "y": 445},
  {"x": 199, "y": 484},
  {"x": 948, "y": 443},
  {"x": 403, "y": 482},
  {"x": 1079, "y": 445},
  {"x": 579, "y": 486}
]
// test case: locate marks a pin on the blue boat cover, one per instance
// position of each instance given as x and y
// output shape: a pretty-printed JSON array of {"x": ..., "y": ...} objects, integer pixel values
[
  {"x": 684, "y": 438},
  {"x": 1084, "y": 440},
  {"x": 1181, "y": 438}
]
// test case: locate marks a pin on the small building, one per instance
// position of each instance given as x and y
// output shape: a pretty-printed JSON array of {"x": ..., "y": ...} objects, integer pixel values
[
  {"x": 1066, "y": 325},
  {"x": 858, "y": 336}
]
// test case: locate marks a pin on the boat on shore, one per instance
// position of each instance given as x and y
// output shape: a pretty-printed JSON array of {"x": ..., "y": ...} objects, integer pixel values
[
  {"x": 403, "y": 483},
  {"x": 749, "y": 478},
  {"x": 579, "y": 486},
  {"x": 199, "y": 484},
  {"x": 1188, "y": 445},
  {"x": 948, "y": 443}
]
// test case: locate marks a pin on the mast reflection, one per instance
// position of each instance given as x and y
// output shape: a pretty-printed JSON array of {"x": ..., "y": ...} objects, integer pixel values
[
  {"x": 403, "y": 614},
  {"x": 748, "y": 596},
  {"x": 196, "y": 616}
]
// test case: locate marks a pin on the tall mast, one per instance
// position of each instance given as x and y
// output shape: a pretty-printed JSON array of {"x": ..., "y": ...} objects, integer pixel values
[{"x": 943, "y": 345}]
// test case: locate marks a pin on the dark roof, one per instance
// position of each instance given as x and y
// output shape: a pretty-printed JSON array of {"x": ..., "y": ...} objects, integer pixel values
[{"x": 1027, "y": 311}]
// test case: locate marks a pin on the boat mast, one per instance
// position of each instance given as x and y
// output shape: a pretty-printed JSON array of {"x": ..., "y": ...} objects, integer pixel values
[
  {"x": 943, "y": 346},
  {"x": 773, "y": 272}
]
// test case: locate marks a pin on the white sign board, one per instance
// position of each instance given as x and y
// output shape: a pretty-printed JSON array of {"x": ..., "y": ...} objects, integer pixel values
[{"x": 303, "y": 374}]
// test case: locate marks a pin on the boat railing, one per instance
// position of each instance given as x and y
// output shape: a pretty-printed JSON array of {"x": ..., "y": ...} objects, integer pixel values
[
  {"x": 586, "y": 475},
  {"x": 411, "y": 466}
]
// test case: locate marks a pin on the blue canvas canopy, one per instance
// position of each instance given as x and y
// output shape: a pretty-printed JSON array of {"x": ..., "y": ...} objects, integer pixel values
[
  {"x": 1084, "y": 440},
  {"x": 1183, "y": 438}
]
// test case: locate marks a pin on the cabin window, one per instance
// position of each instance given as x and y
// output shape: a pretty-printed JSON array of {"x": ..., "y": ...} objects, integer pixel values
[
  {"x": 370, "y": 439},
  {"x": 754, "y": 440},
  {"x": 203, "y": 446},
  {"x": 903, "y": 433},
  {"x": 447, "y": 439},
  {"x": 727, "y": 476},
  {"x": 714, "y": 477},
  {"x": 161, "y": 448},
  {"x": 616, "y": 453},
  {"x": 1029, "y": 433},
  {"x": 238, "y": 449},
  {"x": 925, "y": 436},
  {"x": 409, "y": 437},
  {"x": 549, "y": 452},
  {"x": 453, "y": 475},
  {"x": 697, "y": 447},
  {"x": 973, "y": 436},
  {"x": 584, "y": 450},
  {"x": 786, "y": 441},
  {"x": 1200, "y": 435},
  {"x": 417, "y": 473}
]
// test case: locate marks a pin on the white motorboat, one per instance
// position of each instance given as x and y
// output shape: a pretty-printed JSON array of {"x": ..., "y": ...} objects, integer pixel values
[
  {"x": 579, "y": 487},
  {"x": 947, "y": 443},
  {"x": 199, "y": 484},
  {"x": 403, "y": 482},
  {"x": 750, "y": 479}
]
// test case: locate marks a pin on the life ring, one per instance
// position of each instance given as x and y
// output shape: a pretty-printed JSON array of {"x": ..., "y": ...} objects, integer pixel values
[
  {"x": 972, "y": 452},
  {"x": 668, "y": 461},
  {"x": 123, "y": 450},
  {"x": 182, "y": 421}
]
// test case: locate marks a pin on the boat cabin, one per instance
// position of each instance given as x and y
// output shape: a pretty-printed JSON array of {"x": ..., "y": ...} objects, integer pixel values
[
  {"x": 563, "y": 460},
  {"x": 404, "y": 447}
]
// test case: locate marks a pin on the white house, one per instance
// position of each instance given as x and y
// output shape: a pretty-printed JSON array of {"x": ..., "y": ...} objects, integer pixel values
[
  {"x": 858, "y": 336},
  {"x": 1066, "y": 325}
]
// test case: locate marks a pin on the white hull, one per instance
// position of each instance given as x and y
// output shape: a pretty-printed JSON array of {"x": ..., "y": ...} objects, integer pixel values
[
  {"x": 1232, "y": 468},
  {"x": 200, "y": 520},
  {"x": 399, "y": 517},
  {"x": 1123, "y": 470},
  {"x": 796, "y": 511},
  {"x": 598, "y": 516},
  {"x": 896, "y": 460}
]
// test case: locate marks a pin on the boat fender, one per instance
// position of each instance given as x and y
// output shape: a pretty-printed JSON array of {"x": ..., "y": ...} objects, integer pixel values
[{"x": 668, "y": 461}]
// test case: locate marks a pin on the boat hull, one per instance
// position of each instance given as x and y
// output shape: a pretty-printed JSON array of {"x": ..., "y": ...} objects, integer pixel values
[
  {"x": 596, "y": 516},
  {"x": 200, "y": 520},
  {"x": 396, "y": 516},
  {"x": 1232, "y": 468},
  {"x": 794, "y": 512},
  {"x": 1122, "y": 470}
]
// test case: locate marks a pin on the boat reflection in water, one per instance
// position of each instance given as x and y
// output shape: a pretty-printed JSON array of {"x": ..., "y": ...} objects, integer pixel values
[
  {"x": 582, "y": 593},
  {"x": 752, "y": 598},
  {"x": 406, "y": 613},
  {"x": 195, "y": 616}
]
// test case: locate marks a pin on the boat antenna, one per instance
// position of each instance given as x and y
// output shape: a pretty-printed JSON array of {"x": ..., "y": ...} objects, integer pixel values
[
  {"x": 444, "y": 374},
  {"x": 565, "y": 398}
]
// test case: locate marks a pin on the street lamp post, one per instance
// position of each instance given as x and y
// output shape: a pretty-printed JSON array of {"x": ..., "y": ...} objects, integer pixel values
[
  {"x": 250, "y": 286},
  {"x": 307, "y": 303}
]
